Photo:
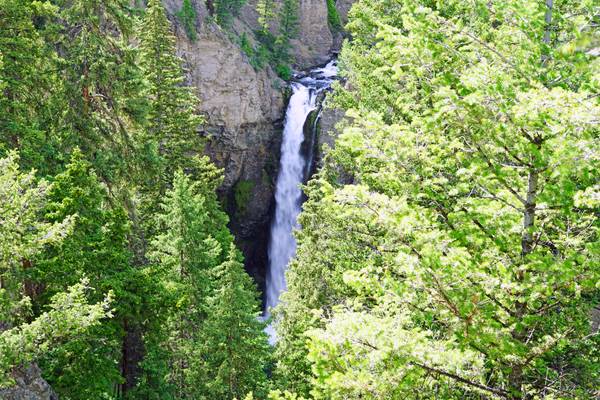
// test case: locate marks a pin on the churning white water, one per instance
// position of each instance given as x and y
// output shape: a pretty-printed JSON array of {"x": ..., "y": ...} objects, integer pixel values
[{"x": 292, "y": 167}]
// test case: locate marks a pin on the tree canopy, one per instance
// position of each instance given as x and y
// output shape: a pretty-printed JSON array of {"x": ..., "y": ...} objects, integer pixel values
[
  {"x": 449, "y": 247},
  {"x": 449, "y": 244}
]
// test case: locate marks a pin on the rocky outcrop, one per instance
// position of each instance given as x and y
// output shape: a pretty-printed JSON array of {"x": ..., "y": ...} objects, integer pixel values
[
  {"x": 29, "y": 385},
  {"x": 327, "y": 126},
  {"x": 315, "y": 41},
  {"x": 343, "y": 7}
]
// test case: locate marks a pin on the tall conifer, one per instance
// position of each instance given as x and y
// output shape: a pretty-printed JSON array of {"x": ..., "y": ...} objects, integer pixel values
[
  {"x": 192, "y": 239},
  {"x": 172, "y": 126},
  {"x": 235, "y": 352}
]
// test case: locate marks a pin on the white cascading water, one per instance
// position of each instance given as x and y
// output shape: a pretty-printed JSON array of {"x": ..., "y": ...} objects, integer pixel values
[{"x": 292, "y": 167}]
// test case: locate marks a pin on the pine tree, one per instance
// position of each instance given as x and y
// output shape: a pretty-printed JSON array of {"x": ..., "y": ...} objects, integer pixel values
[
  {"x": 187, "y": 16},
  {"x": 333, "y": 17},
  {"x": 266, "y": 13},
  {"x": 234, "y": 352},
  {"x": 87, "y": 367},
  {"x": 98, "y": 247},
  {"x": 226, "y": 10},
  {"x": 192, "y": 240},
  {"x": 100, "y": 105},
  {"x": 23, "y": 234},
  {"x": 288, "y": 29},
  {"x": 29, "y": 81},
  {"x": 288, "y": 19},
  {"x": 70, "y": 315},
  {"x": 172, "y": 125}
]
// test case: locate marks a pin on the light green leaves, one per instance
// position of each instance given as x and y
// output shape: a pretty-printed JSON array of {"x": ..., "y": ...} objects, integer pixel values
[{"x": 454, "y": 222}]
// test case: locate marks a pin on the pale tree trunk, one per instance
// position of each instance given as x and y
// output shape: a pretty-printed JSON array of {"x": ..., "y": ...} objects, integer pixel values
[{"x": 527, "y": 241}]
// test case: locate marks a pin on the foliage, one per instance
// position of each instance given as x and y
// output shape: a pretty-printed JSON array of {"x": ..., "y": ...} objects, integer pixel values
[
  {"x": 275, "y": 48},
  {"x": 102, "y": 84},
  {"x": 258, "y": 55},
  {"x": 187, "y": 16},
  {"x": 70, "y": 314},
  {"x": 246, "y": 46},
  {"x": 97, "y": 247},
  {"x": 107, "y": 117},
  {"x": 333, "y": 17},
  {"x": 286, "y": 395},
  {"x": 171, "y": 133},
  {"x": 288, "y": 19},
  {"x": 88, "y": 366},
  {"x": 27, "y": 78},
  {"x": 288, "y": 30},
  {"x": 284, "y": 71},
  {"x": 267, "y": 51},
  {"x": 192, "y": 239},
  {"x": 242, "y": 194},
  {"x": 235, "y": 352},
  {"x": 266, "y": 13},
  {"x": 226, "y": 10},
  {"x": 460, "y": 262},
  {"x": 449, "y": 247},
  {"x": 23, "y": 235}
]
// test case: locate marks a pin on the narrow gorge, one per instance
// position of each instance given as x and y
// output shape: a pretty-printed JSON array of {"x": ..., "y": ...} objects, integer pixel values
[{"x": 246, "y": 107}]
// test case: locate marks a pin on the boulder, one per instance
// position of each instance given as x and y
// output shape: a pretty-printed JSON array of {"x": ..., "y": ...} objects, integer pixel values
[{"x": 29, "y": 385}]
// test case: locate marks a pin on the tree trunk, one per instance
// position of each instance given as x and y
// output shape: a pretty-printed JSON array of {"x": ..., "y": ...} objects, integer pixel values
[
  {"x": 519, "y": 334},
  {"x": 131, "y": 356},
  {"x": 548, "y": 29},
  {"x": 548, "y": 20}
]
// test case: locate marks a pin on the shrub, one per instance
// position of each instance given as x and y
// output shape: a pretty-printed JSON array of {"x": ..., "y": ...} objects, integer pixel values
[
  {"x": 187, "y": 16},
  {"x": 242, "y": 193},
  {"x": 284, "y": 71},
  {"x": 333, "y": 17}
]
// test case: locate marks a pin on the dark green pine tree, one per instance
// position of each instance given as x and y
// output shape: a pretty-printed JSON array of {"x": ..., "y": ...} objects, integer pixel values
[
  {"x": 235, "y": 353},
  {"x": 226, "y": 10},
  {"x": 88, "y": 366},
  {"x": 172, "y": 128},
  {"x": 102, "y": 105},
  {"x": 188, "y": 16},
  {"x": 193, "y": 239},
  {"x": 288, "y": 19},
  {"x": 29, "y": 77}
]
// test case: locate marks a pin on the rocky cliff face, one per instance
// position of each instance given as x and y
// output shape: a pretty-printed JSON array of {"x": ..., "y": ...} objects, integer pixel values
[
  {"x": 29, "y": 386},
  {"x": 315, "y": 40},
  {"x": 245, "y": 110}
]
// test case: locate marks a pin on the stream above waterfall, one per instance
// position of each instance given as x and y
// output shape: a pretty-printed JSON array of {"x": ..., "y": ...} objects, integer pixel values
[{"x": 294, "y": 169}]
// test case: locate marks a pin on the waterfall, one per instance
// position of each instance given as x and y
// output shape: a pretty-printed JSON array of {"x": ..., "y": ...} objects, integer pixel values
[{"x": 292, "y": 172}]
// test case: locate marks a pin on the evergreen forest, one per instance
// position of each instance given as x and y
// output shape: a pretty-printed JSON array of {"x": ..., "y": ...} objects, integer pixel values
[{"x": 448, "y": 244}]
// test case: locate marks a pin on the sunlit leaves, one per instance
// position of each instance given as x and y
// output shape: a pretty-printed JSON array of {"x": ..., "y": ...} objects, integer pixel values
[{"x": 458, "y": 203}]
